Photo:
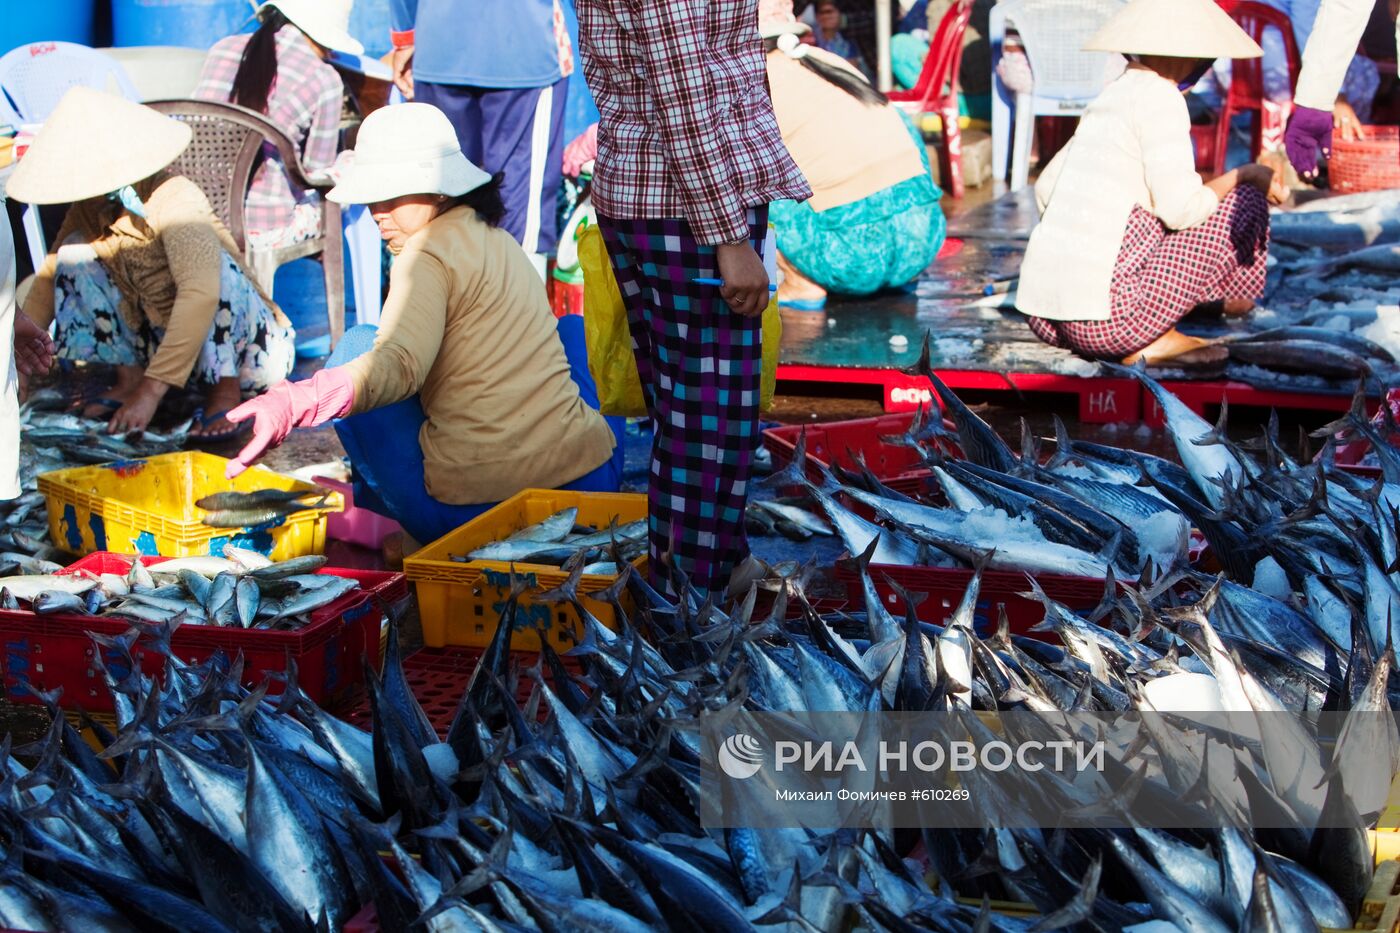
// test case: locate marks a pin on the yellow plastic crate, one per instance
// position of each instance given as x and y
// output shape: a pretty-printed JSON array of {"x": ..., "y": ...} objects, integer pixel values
[
  {"x": 148, "y": 507},
  {"x": 461, "y": 603},
  {"x": 1380, "y": 910}
]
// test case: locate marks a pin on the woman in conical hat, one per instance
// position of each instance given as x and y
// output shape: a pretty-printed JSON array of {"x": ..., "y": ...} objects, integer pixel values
[
  {"x": 1130, "y": 238},
  {"x": 142, "y": 275},
  {"x": 281, "y": 71}
]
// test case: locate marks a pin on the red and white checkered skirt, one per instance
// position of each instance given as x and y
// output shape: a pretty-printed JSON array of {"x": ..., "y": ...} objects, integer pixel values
[{"x": 1162, "y": 274}]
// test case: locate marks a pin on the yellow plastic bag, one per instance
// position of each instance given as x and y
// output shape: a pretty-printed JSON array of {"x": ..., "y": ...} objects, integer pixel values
[{"x": 610, "y": 357}]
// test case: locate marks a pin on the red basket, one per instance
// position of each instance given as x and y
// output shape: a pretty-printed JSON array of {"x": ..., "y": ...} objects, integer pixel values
[
  {"x": 1369, "y": 164},
  {"x": 898, "y": 467},
  {"x": 945, "y": 589},
  {"x": 46, "y": 652}
]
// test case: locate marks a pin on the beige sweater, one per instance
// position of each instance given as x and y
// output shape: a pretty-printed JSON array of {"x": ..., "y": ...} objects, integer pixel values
[
  {"x": 1133, "y": 147},
  {"x": 847, "y": 150},
  {"x": 467, "y": 325},
  {"x": 166, "y": 267}
]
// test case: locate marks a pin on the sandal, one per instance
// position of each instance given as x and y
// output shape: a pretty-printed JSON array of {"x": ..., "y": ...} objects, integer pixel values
[{"x": 234, "y": 431}]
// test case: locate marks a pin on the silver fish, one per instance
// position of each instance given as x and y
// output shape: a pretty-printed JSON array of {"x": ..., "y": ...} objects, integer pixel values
[{"x": 551, "y": 529}]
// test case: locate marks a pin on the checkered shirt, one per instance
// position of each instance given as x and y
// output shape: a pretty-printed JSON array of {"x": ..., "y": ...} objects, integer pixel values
[
  {"x": 306, "y": 102},
  {"x": 687, "y": 128}
]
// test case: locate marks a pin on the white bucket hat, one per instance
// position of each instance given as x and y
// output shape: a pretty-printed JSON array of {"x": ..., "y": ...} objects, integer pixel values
[
  {"x": 93, "y": 144},
  {"x": 406, "y": 149},
  {"x": 1177, "y": 28},
  {"x": 326, "y": 22},
  {"x": 775, "y": 18}
]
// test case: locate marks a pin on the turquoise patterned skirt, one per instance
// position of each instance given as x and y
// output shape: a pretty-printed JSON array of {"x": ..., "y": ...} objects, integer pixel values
[
  {"x": 883, "y": 241},
  {"x": 246, "y": 339}
]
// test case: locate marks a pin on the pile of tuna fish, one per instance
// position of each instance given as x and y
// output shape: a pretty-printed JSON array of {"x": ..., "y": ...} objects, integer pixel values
[
  {"x": 53, "y": 439},
  {"x": 560, "y": 541},
  {"x": 1309, "y": 550},
  {"x": 243, "y": 590},
  {"x": 215, "y": 809},
  {"x": 62, "y": 439},
  {"x": 1329, "y": 314}
]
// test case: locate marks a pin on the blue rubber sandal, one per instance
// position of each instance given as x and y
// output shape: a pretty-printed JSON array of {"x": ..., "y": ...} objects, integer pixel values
[{"x": 803, "y": 304}]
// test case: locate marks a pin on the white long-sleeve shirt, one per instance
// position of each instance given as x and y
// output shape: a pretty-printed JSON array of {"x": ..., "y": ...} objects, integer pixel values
[
  {"x": 1133, "y": 147},
  {"x": 1329, "y": 51},
  {"x": 9, "y": 375}
]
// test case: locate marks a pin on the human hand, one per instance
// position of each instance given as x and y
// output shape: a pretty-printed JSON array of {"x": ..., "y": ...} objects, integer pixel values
[
  {"x": 581, "y": 151},
  {"x": 272, "y": 422},
  {"x": 325, "y": 396},
  {"x": 1279, "y": 191},
  {"x": 401, "y": 61},
  {"x": 1257, "y": 176},
  {"x": 1346, "y": 122},
  {"x": 1308, "y": 131},
  {"x": 745, "y": 285},
  {"x": 33, "y": 347},
  {"x": 139, "y": 409}
]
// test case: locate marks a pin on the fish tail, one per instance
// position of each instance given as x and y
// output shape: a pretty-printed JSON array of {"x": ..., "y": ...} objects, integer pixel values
[{"x": 795, "y": 473}]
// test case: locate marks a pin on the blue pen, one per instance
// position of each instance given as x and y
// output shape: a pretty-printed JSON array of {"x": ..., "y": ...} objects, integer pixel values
[{"x": 717, "y": 283}]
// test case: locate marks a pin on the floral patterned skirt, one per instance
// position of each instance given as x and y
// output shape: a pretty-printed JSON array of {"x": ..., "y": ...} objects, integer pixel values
[{"x": 246, "y": 341}]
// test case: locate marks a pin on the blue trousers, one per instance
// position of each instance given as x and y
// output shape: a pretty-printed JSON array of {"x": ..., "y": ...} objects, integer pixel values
[
  {"x": 388, "y": 461},
  {"x": 518, "y": 131}
]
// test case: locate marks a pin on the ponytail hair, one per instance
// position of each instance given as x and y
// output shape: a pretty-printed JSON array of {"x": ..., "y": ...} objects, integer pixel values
[
  {"x": 486, "y": 201},
  {"x": 258, "y": 69},
  {"x": 852, "y": 84}
]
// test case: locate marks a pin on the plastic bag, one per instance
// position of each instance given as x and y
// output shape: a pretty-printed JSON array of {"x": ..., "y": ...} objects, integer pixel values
[{"x": 610, "y": 357}]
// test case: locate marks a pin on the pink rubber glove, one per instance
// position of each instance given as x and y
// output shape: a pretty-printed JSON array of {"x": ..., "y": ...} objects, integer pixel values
[
  {"x": 581, "y": 151},
  {"x": 327, "y": 395},
  {"x": 1308, "y": 130}
]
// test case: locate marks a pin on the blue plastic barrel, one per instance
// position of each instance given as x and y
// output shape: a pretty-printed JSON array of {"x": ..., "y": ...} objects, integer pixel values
[
  {"x": 25, "y": 22},
  {"x": 196, "y": 24}
]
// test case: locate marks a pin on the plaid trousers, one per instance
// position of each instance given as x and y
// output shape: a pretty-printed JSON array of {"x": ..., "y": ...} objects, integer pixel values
[
  {"x": 1162, "y": 274},
  {"x": 701, "y": 366}
]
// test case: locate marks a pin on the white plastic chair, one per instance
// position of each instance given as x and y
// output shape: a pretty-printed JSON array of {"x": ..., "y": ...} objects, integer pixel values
[
  {"x": 34, "y": 78},
  {"x": 1066, "y": 78}
]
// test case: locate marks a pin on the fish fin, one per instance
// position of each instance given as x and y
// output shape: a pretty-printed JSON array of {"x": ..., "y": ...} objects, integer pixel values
[
  {"x": 292, "y": 697},
  {"x": 1081, "y": 907},
  {"x": 1109, "y": 600},
  {"x": 1030, "y": 444},
  {"x": 1064, "y": 447},
  {"x": 1003, "y": 633},
  {"x": 924, "y": 365},
  {"x": 1216, "y": 435},
  {"x": 566, "y": 592},
  {"x": 795, "y": 472}
]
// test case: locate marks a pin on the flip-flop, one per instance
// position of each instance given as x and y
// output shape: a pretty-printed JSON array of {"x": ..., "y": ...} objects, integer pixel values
[
  {"x": 203, "y": 421},
  {"x": 803, "y": 304}
]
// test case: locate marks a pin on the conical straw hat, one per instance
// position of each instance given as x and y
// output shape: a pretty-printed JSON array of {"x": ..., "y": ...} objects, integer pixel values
[
  {"x": 1178, "y": 28},
  {"x": 93, "y": 144}
]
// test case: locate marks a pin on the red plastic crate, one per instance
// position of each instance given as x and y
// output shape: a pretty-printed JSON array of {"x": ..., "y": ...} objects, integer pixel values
[
  {"x": 1101, "y": 400},
  {"x": 46, "y": 652},
  {"x": 438, "y": 677},
  {"x": 945, "y": 589},
  {"x": 366, "y": 921},
  {"x": 898, "y": 467}
]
